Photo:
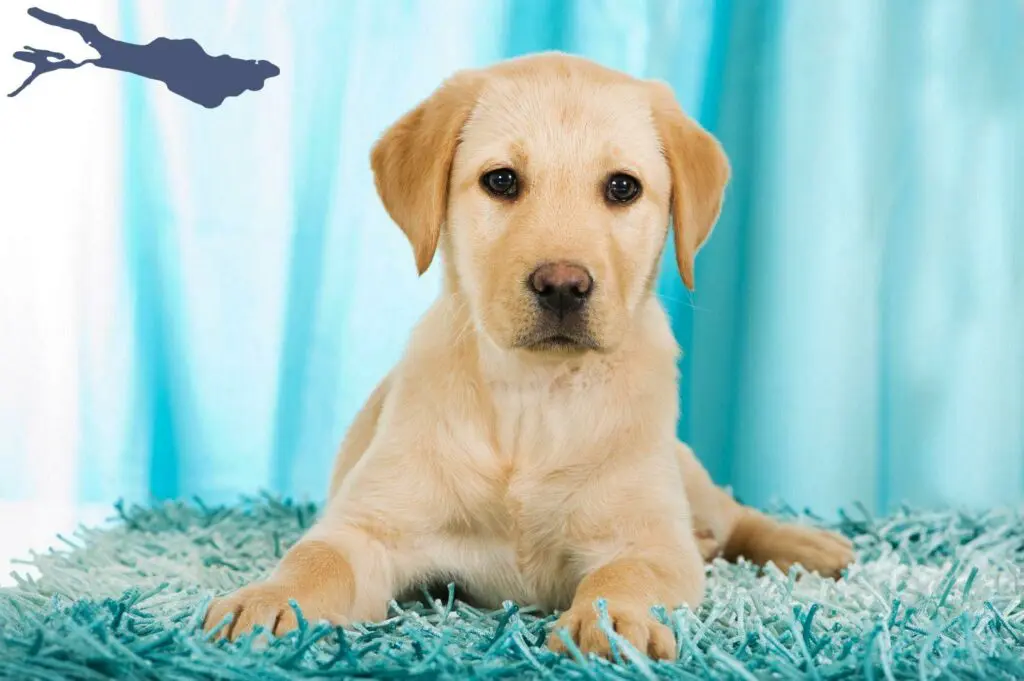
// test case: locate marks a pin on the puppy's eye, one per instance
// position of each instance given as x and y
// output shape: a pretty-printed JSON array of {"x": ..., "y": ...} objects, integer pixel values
[
  {"x": 501, "y": 183},
  {"x": 622, "y": 188}
]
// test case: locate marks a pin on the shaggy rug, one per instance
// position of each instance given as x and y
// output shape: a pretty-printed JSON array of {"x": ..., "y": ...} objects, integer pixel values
[{"x": 932, "y": 595}]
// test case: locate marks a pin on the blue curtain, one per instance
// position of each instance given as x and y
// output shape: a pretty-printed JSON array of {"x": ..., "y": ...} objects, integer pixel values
[
  {"x": 857, "y": 332},
  {"x": 859, "y": 327}
]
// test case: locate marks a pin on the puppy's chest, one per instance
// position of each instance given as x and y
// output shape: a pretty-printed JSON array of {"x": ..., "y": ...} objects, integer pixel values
[
  {"x": 549, "y": 422},
  {"x": 531, "y": 443},
  {"x": 522, "y": 490}
]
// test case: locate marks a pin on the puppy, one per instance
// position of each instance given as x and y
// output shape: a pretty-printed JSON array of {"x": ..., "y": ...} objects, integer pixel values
[{"x": 525, "y": 445}]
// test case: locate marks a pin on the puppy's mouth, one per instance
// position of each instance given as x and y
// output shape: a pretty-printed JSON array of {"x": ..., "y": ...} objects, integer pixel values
[
  {"x": 557, "y": 334},
  {"x": 558, "y": 341}
]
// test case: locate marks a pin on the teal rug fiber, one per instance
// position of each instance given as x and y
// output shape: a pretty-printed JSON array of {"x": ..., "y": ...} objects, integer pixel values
[{"x": 933, "y": 595}]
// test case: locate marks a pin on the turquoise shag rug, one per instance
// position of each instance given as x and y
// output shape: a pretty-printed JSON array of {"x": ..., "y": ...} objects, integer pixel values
[{"x": 933, "y": 595}]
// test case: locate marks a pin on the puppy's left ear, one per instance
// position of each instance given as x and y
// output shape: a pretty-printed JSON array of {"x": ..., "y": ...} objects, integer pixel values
[
  {"x": 412, "y": 162},
  {"x": 700, "y": 172}
]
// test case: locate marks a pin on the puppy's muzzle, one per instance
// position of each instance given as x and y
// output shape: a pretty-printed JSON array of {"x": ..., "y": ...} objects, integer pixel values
[{"x": 561, "y": 288}]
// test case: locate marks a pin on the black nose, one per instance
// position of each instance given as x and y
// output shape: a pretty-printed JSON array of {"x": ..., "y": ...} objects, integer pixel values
[{"x": 561, "y": 287}]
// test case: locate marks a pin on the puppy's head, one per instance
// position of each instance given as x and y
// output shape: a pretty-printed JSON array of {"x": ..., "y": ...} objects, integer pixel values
[{"x": 549, "y": 182}]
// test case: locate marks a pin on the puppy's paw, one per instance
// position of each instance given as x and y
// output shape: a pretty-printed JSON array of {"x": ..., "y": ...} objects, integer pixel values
[
  {"x": 265, "y": 604},
  {"x": 634, "y": 623},
  {"x": 817, "y": 550}
]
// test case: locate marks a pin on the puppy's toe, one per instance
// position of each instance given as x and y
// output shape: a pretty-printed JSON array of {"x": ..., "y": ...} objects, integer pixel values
[
  {"x": 571, "y": 625},
  {"x": 223, "y": 613},
  {"x": 592, "y": 638},
  {"x": 662, "y": 645},
  {"x": 286, "y": 621}
]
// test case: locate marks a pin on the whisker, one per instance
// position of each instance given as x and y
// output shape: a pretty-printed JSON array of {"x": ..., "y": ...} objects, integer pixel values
[{"x": 687, "y": 302}]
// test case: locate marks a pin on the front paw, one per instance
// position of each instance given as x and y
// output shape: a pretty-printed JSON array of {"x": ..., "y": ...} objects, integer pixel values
[
  {"x": 265, "y": 604},
  {"x": 817, "y": 550},
  {"x": 633, "y": 622}
]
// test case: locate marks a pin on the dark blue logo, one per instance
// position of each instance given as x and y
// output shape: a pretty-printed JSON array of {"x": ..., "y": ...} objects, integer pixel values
[{"x": 182, "y": 65}]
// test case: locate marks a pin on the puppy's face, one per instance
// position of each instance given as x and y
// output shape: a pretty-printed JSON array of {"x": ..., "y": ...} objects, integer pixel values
[
  {"x": 553, "y": 180},
  {"x": 558, "y": 209}
]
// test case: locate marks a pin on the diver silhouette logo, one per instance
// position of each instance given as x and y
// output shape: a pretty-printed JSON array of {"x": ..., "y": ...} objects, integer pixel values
[{"x": 182, "y": 65}]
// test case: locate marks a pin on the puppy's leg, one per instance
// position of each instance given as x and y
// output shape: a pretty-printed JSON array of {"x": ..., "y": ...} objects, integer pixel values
[
  {"x": 362, "y": 552},
  {"x": 725, "y": 527},
  {"x": 631, "y": 540},
  {"x": 632, "y": 584},
  {"x": 337, "y": 572}
]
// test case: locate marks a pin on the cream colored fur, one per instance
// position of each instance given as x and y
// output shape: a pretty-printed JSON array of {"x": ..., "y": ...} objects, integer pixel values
[{"x": 544, "y": 475}]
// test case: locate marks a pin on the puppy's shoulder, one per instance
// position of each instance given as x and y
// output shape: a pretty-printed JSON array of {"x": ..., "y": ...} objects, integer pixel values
[{"x": 440, "y": 362}]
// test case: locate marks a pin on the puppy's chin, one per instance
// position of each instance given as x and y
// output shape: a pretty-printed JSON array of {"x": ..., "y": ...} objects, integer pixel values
[
  {"x": 540, "y": 337},
  {"x": 572, "y": 340},
  {"x": 558, "y": 345}
]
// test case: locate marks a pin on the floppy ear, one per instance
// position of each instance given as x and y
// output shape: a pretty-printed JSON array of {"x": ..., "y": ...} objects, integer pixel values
[
  {"x": 700, "y": 171},
  {"x": 413, "y": 159}
]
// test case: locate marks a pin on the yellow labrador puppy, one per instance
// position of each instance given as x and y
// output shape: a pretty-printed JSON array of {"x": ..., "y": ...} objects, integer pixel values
[{"x": 525, "y": 444}]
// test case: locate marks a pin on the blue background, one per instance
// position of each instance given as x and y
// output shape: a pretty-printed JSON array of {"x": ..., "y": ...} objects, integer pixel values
[{"x": 857, "y": 332}]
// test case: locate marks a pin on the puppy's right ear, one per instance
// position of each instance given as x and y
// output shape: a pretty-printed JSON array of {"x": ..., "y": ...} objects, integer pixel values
[{"x": 413, "y": 159}]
